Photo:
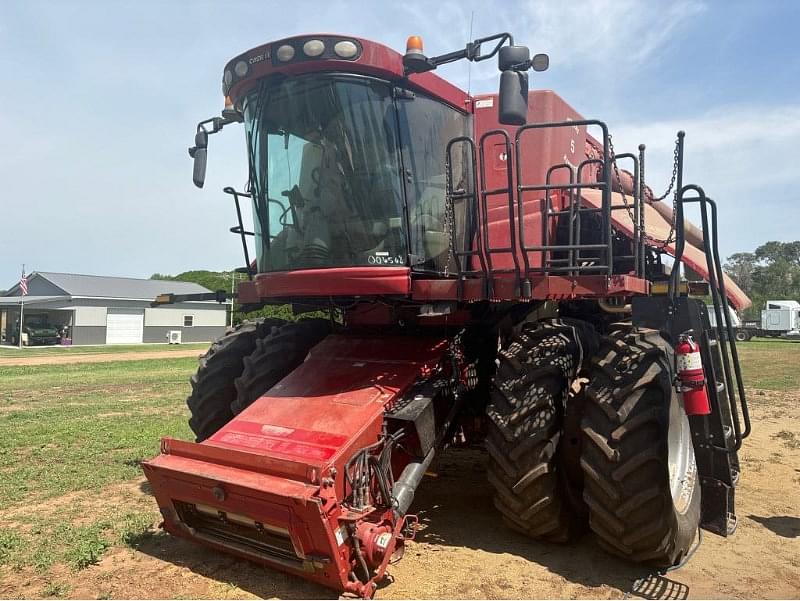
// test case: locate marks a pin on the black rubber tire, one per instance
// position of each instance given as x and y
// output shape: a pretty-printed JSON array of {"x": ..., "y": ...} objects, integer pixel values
[
  {"x": 213, "y": 388},
  {"x": 632, "y": 422},
  {"x": 275, "y": 357},
  {"x": 525, "y": 420},
  {"x": 741, "y": 336}
]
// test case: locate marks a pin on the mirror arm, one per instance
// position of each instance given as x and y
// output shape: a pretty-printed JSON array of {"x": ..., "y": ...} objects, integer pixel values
[
  {"x": 471, "y": 52},
  {"x": 216, "y": 125}
]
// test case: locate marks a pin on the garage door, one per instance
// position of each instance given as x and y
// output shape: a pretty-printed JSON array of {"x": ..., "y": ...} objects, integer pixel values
[{"x": 124, "y": 326}]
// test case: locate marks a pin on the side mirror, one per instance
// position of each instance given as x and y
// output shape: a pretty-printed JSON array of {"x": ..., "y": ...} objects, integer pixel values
[
  {"x": 199, "y": 152},
  {"x": 515, "y": 58},
  {"x": 513, "y": 97},
  {"x": 540, "y": 62}
]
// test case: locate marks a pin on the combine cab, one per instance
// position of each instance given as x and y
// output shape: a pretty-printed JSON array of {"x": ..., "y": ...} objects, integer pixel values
[{"x": 491, "y": 274}]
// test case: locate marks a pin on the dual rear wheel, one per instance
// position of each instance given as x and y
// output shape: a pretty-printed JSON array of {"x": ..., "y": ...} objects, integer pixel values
[{"x": 624, "y": 466}]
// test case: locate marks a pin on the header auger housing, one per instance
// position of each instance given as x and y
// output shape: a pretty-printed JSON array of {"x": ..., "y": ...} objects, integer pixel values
[{"x": 478, "y": 257}]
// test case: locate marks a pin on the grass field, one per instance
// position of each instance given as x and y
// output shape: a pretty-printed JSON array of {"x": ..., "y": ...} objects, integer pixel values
[
  {"x": 72, "y": 437},
  {"x": 69, "y": 431},
  {"x": 38, "y": 351},
  {"x": 770, "y": 364}
]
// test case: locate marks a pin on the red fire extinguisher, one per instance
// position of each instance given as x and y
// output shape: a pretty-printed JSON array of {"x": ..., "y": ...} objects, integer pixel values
[{"x": 691, "y": 377}]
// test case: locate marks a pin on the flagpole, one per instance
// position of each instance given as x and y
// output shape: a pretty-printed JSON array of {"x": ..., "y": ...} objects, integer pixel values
[{"x": 21, "y": 309}]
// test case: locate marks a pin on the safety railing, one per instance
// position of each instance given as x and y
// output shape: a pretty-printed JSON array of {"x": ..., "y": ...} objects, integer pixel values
[
  {"x": 562, "y": 245},
  {"x": 240, "y": 231},
  {"x": 453, "y": 195},
  {"x": 723, "y": 328}
]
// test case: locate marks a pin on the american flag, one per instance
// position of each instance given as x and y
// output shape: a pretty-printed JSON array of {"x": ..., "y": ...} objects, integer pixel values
[{"x": 23, "y": 283}]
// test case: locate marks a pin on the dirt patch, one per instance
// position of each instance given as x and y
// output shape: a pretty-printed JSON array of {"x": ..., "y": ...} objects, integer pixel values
[
  {"x": 97, "y": 358},
  {"x": 83, "y": 503},
  {"x": 464, "y": 551}
]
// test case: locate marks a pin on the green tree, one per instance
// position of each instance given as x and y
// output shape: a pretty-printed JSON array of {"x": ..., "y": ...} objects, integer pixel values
[
  {"x": 772, "y": 271},
  {"x": 221, "y": 280}
]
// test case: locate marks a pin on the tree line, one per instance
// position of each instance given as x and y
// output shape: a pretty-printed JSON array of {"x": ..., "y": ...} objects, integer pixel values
[
  {"x": 771, "y": 272},
  {"x": 221, "y": 280}
]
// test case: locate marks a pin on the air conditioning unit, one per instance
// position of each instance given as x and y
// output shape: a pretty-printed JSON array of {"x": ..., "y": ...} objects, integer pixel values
[{"x": 174, "y": 336}]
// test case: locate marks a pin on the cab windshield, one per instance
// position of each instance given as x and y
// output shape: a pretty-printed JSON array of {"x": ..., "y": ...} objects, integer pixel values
[{"x": 325, "y": 173}]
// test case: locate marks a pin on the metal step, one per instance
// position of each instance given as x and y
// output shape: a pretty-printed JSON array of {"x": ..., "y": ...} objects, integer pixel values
[{"x": 732, "y": 523}]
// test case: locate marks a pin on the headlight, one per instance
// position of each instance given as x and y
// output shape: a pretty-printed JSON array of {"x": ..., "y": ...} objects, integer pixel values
[
  {"x": 345, "y": 49},
  {"x": 240, "y": 69},
  {"x": 313, "y": 48},
  {"x": 285, "y": 53}
]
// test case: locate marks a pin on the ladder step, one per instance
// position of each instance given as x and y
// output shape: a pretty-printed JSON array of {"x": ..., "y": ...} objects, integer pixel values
[
  {"x": 720, "y": 386},
  {"x": 731, "y": 523}
]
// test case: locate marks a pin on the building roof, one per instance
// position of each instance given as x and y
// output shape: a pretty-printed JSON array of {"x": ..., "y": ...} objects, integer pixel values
[
  {"x": 14, "y": 301},
  {"x": 95, "y": 286}
]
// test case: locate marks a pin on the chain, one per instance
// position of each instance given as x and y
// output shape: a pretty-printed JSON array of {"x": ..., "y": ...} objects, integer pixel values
[
  {"x": 628, "y": 208},
  {"x": 674, "y": 173},
  {"x": 449, "y": 219},
  {"x": 671, "y": 236}
]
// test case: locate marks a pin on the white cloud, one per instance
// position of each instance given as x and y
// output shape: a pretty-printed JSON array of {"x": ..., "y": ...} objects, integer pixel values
[
  {"x": 740, "y": 155},
  {"x": 731, "y": 142},
  {"x": 604, "y": 42},
  {"x": 610, "y": 33}
]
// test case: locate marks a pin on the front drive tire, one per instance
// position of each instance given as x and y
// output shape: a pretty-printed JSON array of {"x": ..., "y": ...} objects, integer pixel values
[
  {"x": 275, "y": 357},
  {"x": 640, "y": 477},
  {"x": 213, "y": 388},
  {"x": 525, "y": 419}
]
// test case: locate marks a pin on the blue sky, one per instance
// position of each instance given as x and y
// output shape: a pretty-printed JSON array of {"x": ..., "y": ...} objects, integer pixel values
[{"x": 101, "y": 99}]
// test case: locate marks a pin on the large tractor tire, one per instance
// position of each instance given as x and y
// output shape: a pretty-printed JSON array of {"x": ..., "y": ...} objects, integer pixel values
[
  {"x": 275, "y": 357},
  {"x": 640, "y": 477},
  {"x": 525, "y": 418},
  {"x": 213, "y": 388}
]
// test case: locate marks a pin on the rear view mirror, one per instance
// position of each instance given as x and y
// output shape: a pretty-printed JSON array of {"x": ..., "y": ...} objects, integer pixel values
[
  {"x": 513, "y": 97},
  {"x": 540, "y": 62},
  {"x": 515, "y": 58},
  {"x": 199, "y": 153}
]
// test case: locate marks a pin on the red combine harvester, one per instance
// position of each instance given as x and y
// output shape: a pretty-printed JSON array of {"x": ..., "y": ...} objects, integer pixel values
[{"x": 493, "y": 276}]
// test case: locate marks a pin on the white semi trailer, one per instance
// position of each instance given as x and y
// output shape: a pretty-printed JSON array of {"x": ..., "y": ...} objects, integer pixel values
[{"x": 780, "y": 319}]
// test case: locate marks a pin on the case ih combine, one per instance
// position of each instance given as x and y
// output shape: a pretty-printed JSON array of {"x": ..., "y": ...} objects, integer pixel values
[{"x": 493, "y": 276}]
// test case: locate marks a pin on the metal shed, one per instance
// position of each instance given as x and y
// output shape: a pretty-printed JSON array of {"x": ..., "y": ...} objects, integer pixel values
[{"x": 94, "y": 309}]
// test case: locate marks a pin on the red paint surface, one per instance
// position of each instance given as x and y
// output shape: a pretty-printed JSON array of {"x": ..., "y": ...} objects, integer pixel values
[
  {"x": 543, "y": 287},
  {"x": 539, "y": 150},
  {"x": 270, "y": 460},
  {"x": 333, "y": 281},
  {"x": 376, "y": 60}
]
